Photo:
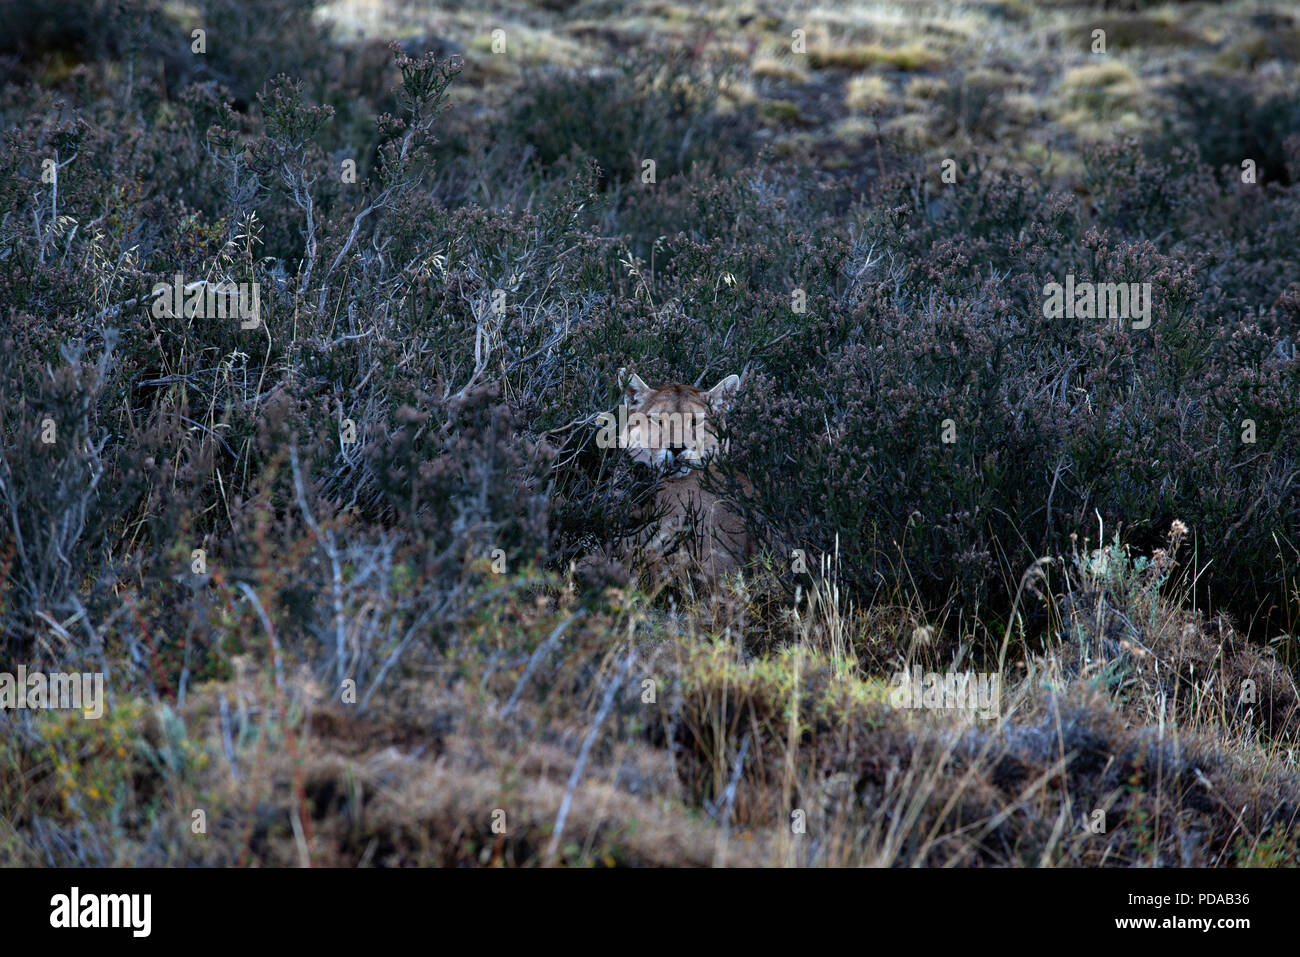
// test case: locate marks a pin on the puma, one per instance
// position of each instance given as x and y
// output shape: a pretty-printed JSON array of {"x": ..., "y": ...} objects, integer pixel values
[{"x": 695, "y": 537}]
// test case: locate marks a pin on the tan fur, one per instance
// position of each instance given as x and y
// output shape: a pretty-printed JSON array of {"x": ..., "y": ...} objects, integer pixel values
[{"x": 698, "y": 537}]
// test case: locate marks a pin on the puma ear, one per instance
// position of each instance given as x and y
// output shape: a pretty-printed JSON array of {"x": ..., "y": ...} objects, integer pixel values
[
  {"x": 722, "y": 394},
  {"x": 630, "y": 384}
]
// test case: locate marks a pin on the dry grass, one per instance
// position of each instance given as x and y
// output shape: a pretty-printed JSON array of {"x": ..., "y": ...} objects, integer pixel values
[
  {"x": 866, "y": 93},
  {"x": 913, "y": 56},
  {"x": 657, "y": 745}
]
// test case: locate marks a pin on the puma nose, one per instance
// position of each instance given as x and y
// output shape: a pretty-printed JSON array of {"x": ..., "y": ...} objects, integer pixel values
[{"x": 674, "y": 458}]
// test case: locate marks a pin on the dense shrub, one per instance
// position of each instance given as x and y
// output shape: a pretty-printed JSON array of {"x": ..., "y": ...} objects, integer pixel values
[
  {"x": 1053, "y": 421},
  {"x": 640, "y": 110},
  {"x": 392, "y": 311},
  {"x": 1231, "y": 119}
]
